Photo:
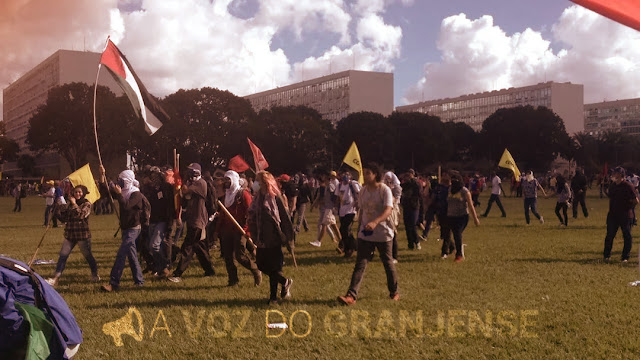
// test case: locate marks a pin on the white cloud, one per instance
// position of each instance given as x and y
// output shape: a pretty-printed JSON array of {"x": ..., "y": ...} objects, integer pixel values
[{"x": 479, "y": 56}]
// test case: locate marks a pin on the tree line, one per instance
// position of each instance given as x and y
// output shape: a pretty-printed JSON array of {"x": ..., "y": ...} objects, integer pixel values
[{"x": 209, "y": 126}]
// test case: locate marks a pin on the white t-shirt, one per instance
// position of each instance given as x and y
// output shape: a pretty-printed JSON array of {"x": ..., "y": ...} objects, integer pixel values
[
  {"x": 50, "y": 194},
  {"x": 347, "y": 199},
  {"x": 495, "y": 185},
  {"x": 372, "y": 205}
]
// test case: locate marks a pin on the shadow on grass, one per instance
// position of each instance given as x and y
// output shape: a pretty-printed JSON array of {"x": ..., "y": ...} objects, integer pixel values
[
  {"x": 587, "y": 261},
  {"x": 232, "y": 303}
]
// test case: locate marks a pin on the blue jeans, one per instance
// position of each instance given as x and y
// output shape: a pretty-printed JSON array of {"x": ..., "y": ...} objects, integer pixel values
[
  {"x": 85, "y": 249},
  {"x": 158, "y": 235},
  {"x": 127, "y": 250},
  {"x": 410, "y": 217}
]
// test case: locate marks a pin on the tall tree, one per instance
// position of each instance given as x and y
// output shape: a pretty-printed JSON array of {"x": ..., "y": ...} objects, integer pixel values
[
  {"x": 9, "y": 148},
  {"x": 64, "y": 124},
  {"x": 293, "y": 138},
  {"x": 534, "y": 136},
  {"x": 373, "y": 135}
]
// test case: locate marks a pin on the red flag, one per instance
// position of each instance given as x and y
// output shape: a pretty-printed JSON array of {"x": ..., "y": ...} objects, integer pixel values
[
  {"x": 626, "y": 12},
  {"x": 143, "y": 103},
  {"x": 258, "y": 158},
  {"x": 238, "y": 164}
]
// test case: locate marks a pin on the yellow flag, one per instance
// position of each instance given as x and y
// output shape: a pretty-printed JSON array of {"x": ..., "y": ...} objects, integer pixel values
[
  {"x": 507, "y": 162},
  {"x": 83, "y": 176},
  {"x": 352, "y": 158}
]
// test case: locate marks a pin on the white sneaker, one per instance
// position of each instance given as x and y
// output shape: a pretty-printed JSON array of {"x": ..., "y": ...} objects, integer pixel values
[
  {"x": 444, "y": 257},
  {"x": 52, "y": 281},
  {"x": 418, "y": 246},
  {"x": 316, "y": 243},
  {"x": 175, "y": 279},
  {"x": 394, "y": 261},
  {"x": 635, "y": 283},
  {"x": 541, "y": 220}
]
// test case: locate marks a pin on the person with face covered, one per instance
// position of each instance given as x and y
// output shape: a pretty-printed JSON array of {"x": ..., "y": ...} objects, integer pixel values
[
  {"x": 160, "y": 195},
  {"x": 271, "y": 228},
  {"x": 134, "y": 214},
  {"x": 75, "y": 215},
  {"x": 194, "y": 192},
  {"x": 233, "y": 245},
  {"x": 459, "y": 203},
  {"x": 530, "y": 186},
  {"x": 622, "y": 200}
]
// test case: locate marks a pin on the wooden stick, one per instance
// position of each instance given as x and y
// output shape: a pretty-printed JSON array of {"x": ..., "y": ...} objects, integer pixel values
[
  {"x": 244, "y": 233},
  {"x": 33, "y": 258}
]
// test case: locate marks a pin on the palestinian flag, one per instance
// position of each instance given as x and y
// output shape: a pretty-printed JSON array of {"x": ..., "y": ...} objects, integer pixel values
[{"x": 143, "y": 103}]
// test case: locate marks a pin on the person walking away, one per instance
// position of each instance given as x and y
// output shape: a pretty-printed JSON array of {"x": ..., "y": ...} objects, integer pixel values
[
  {"x": 496, "y": 190},
  {"x": 622, "y": 199},
  {"x": 374, "y": 232},
  {"x": 326, "y": 200},
  {"x": 271, "y": 228},
  {"x": 49, "y": 195},
  {"x": 75, "y": 215},
  {"x": 17, "y": 195},
  {"x": 304, "y": 198},
  {"x": 530, "y": 186}
]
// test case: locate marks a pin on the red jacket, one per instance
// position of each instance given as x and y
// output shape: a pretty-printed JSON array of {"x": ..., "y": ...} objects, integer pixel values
[{"x": 239, "y": 210}]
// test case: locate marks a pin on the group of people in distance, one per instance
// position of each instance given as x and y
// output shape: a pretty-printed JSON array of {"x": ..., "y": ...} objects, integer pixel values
[{"x": 253, "y": 220}]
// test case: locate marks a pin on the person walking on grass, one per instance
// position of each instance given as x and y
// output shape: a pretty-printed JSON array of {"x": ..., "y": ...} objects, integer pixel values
[
  {"x": 375, "y": 232},
  {"x": 233, "y": 246},
  {"x": 195, "y": 194},
  {"x": 49, "y": 195},
  {"x": 530, "y": 186},
  {"x": 326, "y": 200},
  {"x": 411, "y": 201},
  {"x": 579, "y": 190},
  {"x": 563, "y": 191},
  {"x": 496, "y": 190},
  {"x": 348, "y": 191},
  {"x": 459, "y": 202},
  {"x": 134, "y": 214},
  {"x": 75, "y": 215},
  {"x": 391, "y": 180},
  {"x": 271, "y": 228},
  {"x": 622, "y": 200}
]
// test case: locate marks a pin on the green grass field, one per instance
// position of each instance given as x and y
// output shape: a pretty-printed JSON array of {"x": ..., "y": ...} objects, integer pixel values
[{"x": 526, "y": 292}]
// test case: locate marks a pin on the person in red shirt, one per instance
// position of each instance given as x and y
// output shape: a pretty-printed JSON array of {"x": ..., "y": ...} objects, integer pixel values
[{"x": 233, "y": 245}]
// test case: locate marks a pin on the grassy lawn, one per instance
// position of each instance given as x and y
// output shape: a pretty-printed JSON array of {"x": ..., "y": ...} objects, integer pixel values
[{"x": 526, "y": 292}]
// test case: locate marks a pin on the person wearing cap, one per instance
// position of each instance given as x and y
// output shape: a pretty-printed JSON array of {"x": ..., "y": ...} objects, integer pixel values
[
  {"x": 410, "y": 201},
  {"x": 233, "y": 246},
  {"x": 134, "y": 214},
  {"x": 75, "y": 215},
  {"x": 194, "y": 192},
  {"x": 49, "y": 196},
  {"x": 622, "y": 200}
]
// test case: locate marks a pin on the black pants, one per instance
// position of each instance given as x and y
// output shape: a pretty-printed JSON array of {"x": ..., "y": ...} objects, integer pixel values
[
  {"x": 348, "y": 242},
  {"x": 445, "y": 236},
  {"x": 233, "y": 247},
  {"x": 615, "y": 221},
  {"x": 410, "y": 217},
  {"x": 365, "y": 255},
  {"x": 474, "y": 198},
  {"x": 192, "y": 244},
  {"x": 494, "y": 198},
  {"x": 18, "y": 206},
  {"x": 455, "y": 225},
  {"x": 578, "y": 198},
  {"x": 270, "y": 262},
  {"x": 562, "y": 206}
]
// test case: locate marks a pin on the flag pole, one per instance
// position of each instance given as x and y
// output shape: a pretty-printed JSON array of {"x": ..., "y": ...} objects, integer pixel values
[{"x": 95, "y": 132}]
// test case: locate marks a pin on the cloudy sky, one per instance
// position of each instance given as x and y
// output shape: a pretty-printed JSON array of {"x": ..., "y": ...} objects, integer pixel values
[{"x": 435, "y": 48}]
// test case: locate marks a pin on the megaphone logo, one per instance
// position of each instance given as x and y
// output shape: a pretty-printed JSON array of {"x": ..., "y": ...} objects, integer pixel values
[{"x": 124, "y": 326}]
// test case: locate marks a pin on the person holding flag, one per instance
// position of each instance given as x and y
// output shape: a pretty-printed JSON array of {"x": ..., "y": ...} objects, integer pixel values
[{"x": 75, "y": 215}]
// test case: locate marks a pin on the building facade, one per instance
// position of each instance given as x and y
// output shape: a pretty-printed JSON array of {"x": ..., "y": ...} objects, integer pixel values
[
  {"x": 565, "y": 99},
  {"x": 619, "y": 115},
  {"x": 22, "y": 97},
  {"x": 334, "y": 96}
]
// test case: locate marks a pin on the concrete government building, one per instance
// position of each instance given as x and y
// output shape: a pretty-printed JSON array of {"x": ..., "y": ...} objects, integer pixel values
[
  {"x": 620, "y": 115},
  {"x": 22, "y": 98},
  {"x": 334, "y": 96},
  {"x": 565, "y": 99}
]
